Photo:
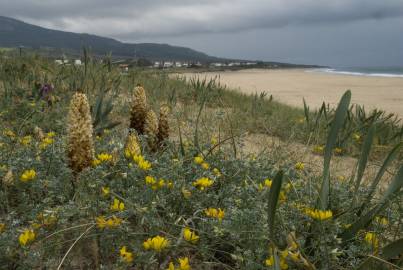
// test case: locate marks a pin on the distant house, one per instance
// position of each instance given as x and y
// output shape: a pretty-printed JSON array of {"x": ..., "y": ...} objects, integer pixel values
[
  {"x": 178, "y": 64},
  {"x": 157, "y": 64},
  {"x": 60, "y": 62},
  {"x": 77, "y": 62},
  {"x": 124, "y": 67},
  {"x": 168, "y": 64},
  {"x": 216, "y": 64}
]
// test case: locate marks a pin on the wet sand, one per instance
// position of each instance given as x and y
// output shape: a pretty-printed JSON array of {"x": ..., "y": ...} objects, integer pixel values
[{"x": 290, "y": 86}]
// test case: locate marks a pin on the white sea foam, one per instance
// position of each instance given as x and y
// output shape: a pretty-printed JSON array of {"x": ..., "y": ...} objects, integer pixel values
[{"x": 351, "y": 73}]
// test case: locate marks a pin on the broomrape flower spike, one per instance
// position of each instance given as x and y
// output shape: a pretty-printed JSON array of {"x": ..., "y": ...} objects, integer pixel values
[
  {"x": 126, "y": 256},
  {"x": 157, "y": 243},
  {"x": 80, "y": 146},
  {"x": 203, "y": 183},
  {"x": 190, "y": 236},
  {"x": 26, "y": 237},
  {"x": 28, "y": 175}
]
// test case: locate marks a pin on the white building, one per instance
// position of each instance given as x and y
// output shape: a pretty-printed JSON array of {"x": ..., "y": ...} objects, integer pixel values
[{"x": 77, "y": 62}]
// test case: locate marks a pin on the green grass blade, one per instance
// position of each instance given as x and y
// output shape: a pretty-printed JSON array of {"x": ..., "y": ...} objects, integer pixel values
[
  {"x": 362, "y": 162},
  {"x": 337, "y": 124},
  {"x": 391, "y": 156},
  {"x": 273, "y": 199},
  {"x": 365, "y": 220},
  {"x": 306, "y": 111}
]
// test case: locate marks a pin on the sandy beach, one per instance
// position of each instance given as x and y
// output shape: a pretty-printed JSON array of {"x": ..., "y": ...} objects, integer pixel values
[{"x": 290, "y": 86}]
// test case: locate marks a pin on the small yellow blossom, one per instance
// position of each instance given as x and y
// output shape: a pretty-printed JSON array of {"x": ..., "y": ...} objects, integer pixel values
[
  {"x": 105, "y": 191},
  {"x": 143, "y": 164},
  {"x": 319, "y": 214},
  {"x": 382, "y": 221},
  {"x": 203, "y": 183},
  {"x": 126, "y": 256},
  {"x": 198, "y": 160},
  {"x": 26, "y": 237},
  {"x": 26, "y": 140},
  {"x": 108, "y": 223},
  {"x": 372, "y": 239},
  {"x": 299, "y": 166},
  {"x": 28, "y": 175},
  {"x": 205, "y": 165},
  {"x": 356, "y": 137},
  {"x": 51, "y": 134},
  {"x": 318, "y": 149},
  {"x": 190, "y": 236},
  {"x": 184, "y": 263},
  {"x": 214, "y": 212},
  {"x": 338, "y": 151},
  {"x": 2, "y": 227},
  {"x": 104, "y": 157},
  {"x": 341, "y": 178},
  {"x": 214, "y": 140},
  {"x": 270, "y": 262},
  {"x": 96, "y": 162},
  {"x": 117, "y": 205},
  {"x": 157, "y": 243},
  {"x": 46, "y": 142},
  {"x": 9, "y": 133},
  {"x": 186, "y": 193},
  {"x": 171, "y": 266},
  {"x": 217, "y": 172}
]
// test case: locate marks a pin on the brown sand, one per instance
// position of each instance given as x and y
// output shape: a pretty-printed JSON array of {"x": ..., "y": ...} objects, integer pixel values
[{"x": 290, "y": 86}]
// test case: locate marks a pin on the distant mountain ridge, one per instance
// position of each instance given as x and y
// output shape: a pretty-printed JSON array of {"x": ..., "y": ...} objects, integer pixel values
[{"x": 15, "y": 33}]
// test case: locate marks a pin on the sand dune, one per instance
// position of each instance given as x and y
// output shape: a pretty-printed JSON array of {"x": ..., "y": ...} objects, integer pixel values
[{"x": 290, "y": 86}]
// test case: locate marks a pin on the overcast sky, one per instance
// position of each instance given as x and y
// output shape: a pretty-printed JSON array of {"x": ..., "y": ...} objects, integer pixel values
[{"x": 327, "y": 32}]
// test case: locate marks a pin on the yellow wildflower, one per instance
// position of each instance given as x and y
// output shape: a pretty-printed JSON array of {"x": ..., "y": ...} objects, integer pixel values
[
  {"x": 96, "y": 162},
  {"x": 45, "y": 142},
  {"x": 126, "y": 256},
  {"x": 104, "y": 157},
  {"x": 108, "y": 223},
  {"x": 356, "y": 137},
  {"x": 319, "y": 214},
  {"x": 372, "y": 239},
  {"x": 338, "y": 151},
  {"x": 26, "y": 237},
  {"x": 299, "y": 166},
  {"x": 198, "y": 160},
  {"x": 341, "y": 178},
  {"x": 203, "y": 183},
  {"x": 105, "y": 191},
  {"x": 270, "y": 262},
  {"x": 171, "y": 266},
  {"x": 186, "y": 193},
  {"x": 184, "y": 263},
  {"x": 217, "y": 172},
  {"x": 117, "y": 205},
  {"x": 9, "y": 133},
  {"x": 28, "y": 175},
  {"x": 214, "y": 212},
  {"x": 2, "y": 227},
  {"x": 190, "y": 236},
  {"x": 318, "y": 149},
  {"x": 51, "y": 134},
  {"x": 382, "y": 221},
  {"x": 26, "y": 140},
  {"x": 144, "y": 164},
  {"x": 157, "y": 243},
  {"x": 205, "y": 165}
]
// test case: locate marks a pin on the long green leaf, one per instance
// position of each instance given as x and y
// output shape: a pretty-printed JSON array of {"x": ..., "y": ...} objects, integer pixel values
[
  {"x": 362, "y": 162},
  {"x": 391, "y": 156},
  {"x": 388, "y": 252},
  {"x": 273, "y": 199},
  {"x": 337, "y": 123},
  {"x": 365, "y": 220}
]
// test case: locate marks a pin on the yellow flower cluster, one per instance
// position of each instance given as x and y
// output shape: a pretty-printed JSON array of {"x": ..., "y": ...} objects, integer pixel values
[
  {"x": 266, "y": 184},
  {"x": 126, "y": 256},
  {"x": 109, "y": 223},
  {"x": 142, "y": 163},
  {"x": 46, "y": 220},
  {"x": 9, "y": 133},
  {"x": 183, "y": 264},
  {"x": 154, "y": 184},
  {"x": 117, "y": 205},
  {"x": 217, "y": 172},
  {"x": 157, "y": 243},
  {"x": 319, "y": 149},
  {"x": 101, "y": 158},
  {"x": 299, "y": 166},
  {"x": 190, "y": 236},
  {"x": 372, "y": 239},
  {"x": 26, "y": 140},
  {"x": 105, "y": 191},
  {"x": 28, "y": 175},
  {"x": 382, "y": 221},
  {"x": 26, "y": 237},
  {"x": 203, "y": 183},
  {"x": 283, "y": 263},
  {"x": 215, "y": 213},
  {"x": 318, "y": 214},
  {"x": 338, "y": 151},
  {"x": 46, "y": 142}
]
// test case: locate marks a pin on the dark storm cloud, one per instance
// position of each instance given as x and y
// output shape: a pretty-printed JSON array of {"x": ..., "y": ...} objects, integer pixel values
[{"x": 133, "y": 19}]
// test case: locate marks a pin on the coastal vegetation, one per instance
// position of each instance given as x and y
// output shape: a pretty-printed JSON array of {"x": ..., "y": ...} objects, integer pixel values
[{"x": 148, "y": 170}]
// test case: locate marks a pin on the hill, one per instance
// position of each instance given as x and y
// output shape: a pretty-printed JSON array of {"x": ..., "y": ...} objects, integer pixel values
[{"x": 15, "y": 33}]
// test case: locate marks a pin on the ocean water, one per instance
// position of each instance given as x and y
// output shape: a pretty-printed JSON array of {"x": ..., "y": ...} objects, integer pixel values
[{"x": 392, "y": 72}]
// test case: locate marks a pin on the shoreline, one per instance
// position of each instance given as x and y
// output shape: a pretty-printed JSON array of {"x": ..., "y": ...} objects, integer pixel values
[{"x": 290, "y": 86}]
